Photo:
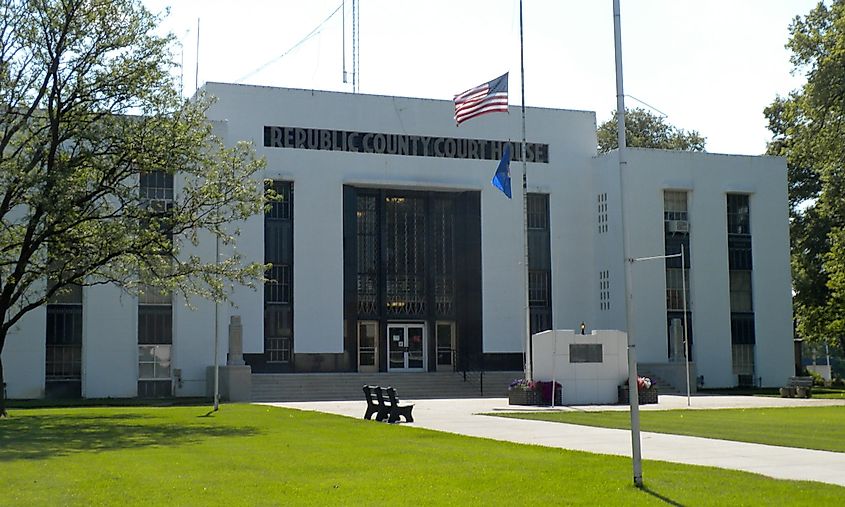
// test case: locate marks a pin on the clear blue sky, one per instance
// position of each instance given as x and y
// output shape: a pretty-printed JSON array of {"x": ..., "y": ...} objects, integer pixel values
[{"x": 711, "y": 66}]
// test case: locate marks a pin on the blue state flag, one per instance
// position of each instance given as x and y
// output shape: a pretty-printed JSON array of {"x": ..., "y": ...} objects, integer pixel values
[{"x": 502, "y": 178}]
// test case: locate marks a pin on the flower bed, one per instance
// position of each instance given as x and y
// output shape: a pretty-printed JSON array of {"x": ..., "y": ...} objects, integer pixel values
[
  {"x": 524, "y": 392},
  {"x": 523, "y": 396},
  {"x": 645, "y": 388}
]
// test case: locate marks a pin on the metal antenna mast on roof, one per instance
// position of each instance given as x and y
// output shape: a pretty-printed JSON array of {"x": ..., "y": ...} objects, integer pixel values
[
  {"x": 356, "y": 12},
  {"x": 197, "y": 71}
]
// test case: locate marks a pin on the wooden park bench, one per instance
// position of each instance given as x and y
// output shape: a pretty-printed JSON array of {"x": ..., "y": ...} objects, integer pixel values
[
  {"x": 801, "y": 387},
  {"x": 383, "y": 402}
]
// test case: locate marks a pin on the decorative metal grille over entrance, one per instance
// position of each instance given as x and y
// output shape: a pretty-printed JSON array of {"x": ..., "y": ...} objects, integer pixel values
[
  {"x": 406, "y": 228},
  {"x": 368, "y": 268},
  {"x": 443, "y": 225}
]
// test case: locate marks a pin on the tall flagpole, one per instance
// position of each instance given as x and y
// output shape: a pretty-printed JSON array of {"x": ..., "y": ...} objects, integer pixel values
[
  {"x": 529, "y": 369},
  {"x": 633, "y": 394}
]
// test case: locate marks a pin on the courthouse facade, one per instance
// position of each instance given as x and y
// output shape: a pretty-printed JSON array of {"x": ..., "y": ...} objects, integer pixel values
[{"x": 392, "y": 251}]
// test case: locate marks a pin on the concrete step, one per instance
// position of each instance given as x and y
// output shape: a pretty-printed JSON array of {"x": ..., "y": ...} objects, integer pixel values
[{"x": 347, "y": 386}]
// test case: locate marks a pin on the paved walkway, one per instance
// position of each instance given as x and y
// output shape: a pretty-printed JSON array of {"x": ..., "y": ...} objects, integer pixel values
[{"x": 462, "y": 417}]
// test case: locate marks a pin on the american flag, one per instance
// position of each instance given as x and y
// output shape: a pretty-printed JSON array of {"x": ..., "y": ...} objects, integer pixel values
[{"x": 490, "y": 97}]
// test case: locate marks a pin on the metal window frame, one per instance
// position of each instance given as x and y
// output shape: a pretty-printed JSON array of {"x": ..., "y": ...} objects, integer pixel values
[{"x": 156, "y": 363}]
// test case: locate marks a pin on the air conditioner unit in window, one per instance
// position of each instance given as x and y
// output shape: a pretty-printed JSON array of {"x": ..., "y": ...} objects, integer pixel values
[{"x": 677, "y": 226}]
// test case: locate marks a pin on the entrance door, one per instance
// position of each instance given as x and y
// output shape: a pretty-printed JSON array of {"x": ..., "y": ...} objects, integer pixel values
[
  {"x": 406, "y": 347},
  {"x": 367, "y": 346},
  {"x": 445, "y": 336}
]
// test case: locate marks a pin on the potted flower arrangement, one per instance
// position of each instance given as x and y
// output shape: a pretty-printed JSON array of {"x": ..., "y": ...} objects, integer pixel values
[
  {"x": 546, "y": 389},
  {"x": 524, "y": 392},
  {"x": 646, "y": 391}
]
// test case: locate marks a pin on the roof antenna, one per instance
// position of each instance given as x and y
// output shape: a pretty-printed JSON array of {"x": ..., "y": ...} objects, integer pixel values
[
  {"x": 356, "y": 14},
  {"x": 344, "y": 41},
  {"x": 197, "y": 71}
]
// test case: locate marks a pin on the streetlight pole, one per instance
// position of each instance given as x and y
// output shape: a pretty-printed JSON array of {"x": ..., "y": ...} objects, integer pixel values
[
  {"x": 684, "y": 298},
  {"x": 686, "y": 339}
]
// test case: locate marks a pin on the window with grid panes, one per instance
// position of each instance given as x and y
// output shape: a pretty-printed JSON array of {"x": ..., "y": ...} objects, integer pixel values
[
  {"x": 64, "y": 342},
  {"x": 155, "y": 339},
  {"x": 539, "y": 263},
  {"x": 64, "y": 334},
  {"x": 743, "y": 336},
  {"x": 156, "y": 186},
  {"x": 739, "y": 214},
  {"x": 741, "y": 296},
  {"x": 675, "y": 205},
  {"x": 155, "y": 306},
  {"x": 278, "y": 289},
  {"x": 675, "y": 289}
]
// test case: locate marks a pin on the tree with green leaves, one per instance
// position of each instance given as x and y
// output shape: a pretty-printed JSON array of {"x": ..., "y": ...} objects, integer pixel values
[
  {"x": 645, "y": 130},
  {"x": 88, "y": 108},
  {"x": 808, "y": 128}
]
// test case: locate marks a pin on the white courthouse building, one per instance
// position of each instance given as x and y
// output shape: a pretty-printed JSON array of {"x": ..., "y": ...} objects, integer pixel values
[{"x": 392, "y": 252}]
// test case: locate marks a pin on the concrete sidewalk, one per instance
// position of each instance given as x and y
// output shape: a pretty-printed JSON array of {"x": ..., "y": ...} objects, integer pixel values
[{"x": 462, "y": 417}]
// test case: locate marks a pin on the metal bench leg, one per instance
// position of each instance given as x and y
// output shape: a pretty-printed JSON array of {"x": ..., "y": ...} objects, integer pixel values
[{"x": 406, "y": 412}]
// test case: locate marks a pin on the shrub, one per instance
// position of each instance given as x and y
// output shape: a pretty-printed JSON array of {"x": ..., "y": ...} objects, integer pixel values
[{"x": 818, "y": 380}]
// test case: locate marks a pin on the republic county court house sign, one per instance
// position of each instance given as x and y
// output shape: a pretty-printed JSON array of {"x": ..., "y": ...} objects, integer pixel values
[{"x": 398, "y": 144}]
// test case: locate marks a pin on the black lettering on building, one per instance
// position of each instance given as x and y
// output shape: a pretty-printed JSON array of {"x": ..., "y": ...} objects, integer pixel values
[{"x": 399, "y": 144}]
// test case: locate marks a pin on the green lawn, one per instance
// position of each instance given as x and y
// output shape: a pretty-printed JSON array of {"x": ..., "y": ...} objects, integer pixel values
[
  {"x": 806, "y": 427},
  {"x": 255, "y": 455},
  {"x": 835, "y": 393}
]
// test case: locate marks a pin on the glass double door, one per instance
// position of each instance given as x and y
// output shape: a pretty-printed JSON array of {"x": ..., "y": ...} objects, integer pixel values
[{"x": 406, "y": 347}]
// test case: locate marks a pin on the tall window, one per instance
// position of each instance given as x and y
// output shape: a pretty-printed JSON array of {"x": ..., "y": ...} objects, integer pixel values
[
  {"x": 278, "y": 290},
  {"x": 676, "y": 238},
  {"x": 155, "y": 339},
  {"x": 741, "y": 295},
  {"x": 539, "y": 263},
  {"x": 155, "y": 306},
  {"x": 63, "y": 372}
]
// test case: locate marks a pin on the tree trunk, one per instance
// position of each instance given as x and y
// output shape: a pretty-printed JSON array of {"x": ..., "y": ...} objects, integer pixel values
[
  {"x": 2, "y": 386},
  {"x": 3, "y": 413}
]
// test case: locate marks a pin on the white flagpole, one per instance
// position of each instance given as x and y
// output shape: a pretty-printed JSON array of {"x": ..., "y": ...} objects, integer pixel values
[
  {"x": 529, "y": 373},
  {"x": 686, "y": 338},
  {"x": 633, "y": 394}
]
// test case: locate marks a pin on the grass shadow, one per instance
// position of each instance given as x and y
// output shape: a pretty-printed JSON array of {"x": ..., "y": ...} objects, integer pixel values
[
  {"x": 33, "y": 437},
  {"x": 658, "y": 496}
]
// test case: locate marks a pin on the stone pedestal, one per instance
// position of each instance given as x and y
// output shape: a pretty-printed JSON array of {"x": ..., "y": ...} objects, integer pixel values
[
  {"x": 235, "y": 382},
  {"x": 236, "y": 342}
]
